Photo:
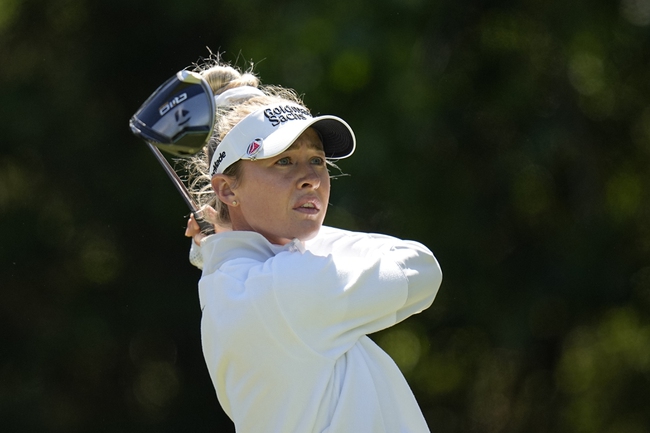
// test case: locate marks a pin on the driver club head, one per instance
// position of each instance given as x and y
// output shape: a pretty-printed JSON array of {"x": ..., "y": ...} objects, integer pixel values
[{"x": 179, "y": 116}]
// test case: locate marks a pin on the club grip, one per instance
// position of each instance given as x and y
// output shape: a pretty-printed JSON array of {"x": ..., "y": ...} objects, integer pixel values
[{"x": 206, "y": 227}]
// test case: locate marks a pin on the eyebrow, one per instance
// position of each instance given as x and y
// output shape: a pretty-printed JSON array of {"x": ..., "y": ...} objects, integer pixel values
[{"x": 310, "y": 145}]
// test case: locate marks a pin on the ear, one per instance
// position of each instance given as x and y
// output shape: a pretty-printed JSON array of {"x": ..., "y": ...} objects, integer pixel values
[{"x": 222, "y": 185}]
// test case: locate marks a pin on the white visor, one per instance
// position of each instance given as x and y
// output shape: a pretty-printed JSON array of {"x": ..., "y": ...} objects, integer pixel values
[{"x": 270, "y": 131}]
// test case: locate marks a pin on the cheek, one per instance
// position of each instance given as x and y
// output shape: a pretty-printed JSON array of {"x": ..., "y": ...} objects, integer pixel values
[
  {"x": 263, "y": 201},
  {"x": 325, "y": 184},
  {"x": 255, "y": 189}
]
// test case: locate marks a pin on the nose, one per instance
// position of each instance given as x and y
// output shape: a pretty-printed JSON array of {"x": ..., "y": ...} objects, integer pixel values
[{"x": 309, "y": 177}]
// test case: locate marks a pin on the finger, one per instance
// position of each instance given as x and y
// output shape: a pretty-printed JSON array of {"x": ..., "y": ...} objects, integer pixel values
[{"x": 192, "y": 227}]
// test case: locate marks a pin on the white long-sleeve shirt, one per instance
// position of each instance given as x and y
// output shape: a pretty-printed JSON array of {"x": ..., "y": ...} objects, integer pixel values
[{"x": 284, "y": 329}]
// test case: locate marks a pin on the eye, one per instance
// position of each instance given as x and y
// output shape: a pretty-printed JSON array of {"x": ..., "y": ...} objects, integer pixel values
[
  {"x": 318, "y": 160},
  {"x": 283, "y": 161}
]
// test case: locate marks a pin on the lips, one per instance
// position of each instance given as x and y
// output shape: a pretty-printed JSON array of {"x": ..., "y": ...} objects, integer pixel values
[{"x": 308, "y": 204}]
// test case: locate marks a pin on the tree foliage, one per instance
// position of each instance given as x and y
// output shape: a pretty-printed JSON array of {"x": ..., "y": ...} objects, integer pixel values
[{"x": 512, "y": 138}]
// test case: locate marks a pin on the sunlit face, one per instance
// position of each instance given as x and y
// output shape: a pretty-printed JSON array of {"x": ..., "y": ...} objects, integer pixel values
[{"x": 286, "y": 196}]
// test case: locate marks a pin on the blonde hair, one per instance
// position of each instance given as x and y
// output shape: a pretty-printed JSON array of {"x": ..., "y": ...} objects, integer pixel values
[{"x": 222, "y": 77}]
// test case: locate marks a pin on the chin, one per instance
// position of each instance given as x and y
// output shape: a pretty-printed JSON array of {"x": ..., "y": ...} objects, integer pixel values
[
  {"x": 308, "y": 234},
  {"x": 303, "y": 233},
  {"x": 308, "y": 237}
]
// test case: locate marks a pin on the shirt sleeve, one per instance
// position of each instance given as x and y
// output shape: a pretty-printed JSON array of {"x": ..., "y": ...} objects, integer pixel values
[
  {"x": 330, "y": 301},
  {"x": 196, "y": 257}
]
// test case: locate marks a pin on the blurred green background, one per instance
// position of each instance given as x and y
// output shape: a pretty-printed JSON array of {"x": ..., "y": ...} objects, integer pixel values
[{"x": 511, "y": 137}]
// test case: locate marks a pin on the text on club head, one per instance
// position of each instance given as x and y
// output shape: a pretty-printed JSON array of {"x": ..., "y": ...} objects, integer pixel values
[{"x": 171, "y": 104}]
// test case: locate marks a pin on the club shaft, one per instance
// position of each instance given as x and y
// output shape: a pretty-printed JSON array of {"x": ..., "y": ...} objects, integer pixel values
[{"x": 178, "y": 183}]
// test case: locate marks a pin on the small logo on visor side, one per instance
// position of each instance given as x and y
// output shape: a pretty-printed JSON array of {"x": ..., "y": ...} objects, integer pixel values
[
  {"x": 218, "y": 162},
  {"x": 254, "y": 148}
]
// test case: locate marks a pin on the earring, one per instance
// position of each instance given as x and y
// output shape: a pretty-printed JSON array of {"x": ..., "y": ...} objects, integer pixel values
[{"x": 234, "y": 202}]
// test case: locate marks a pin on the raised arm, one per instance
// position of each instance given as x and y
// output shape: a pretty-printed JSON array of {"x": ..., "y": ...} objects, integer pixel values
[{"x": 370, "y": 283}]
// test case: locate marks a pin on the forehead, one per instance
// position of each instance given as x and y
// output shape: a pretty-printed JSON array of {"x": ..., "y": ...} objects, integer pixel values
[{"x": 310, "y": 138}]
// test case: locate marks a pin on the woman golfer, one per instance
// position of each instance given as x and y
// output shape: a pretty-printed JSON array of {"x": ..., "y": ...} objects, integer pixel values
[{"x": 287, "y": 303}]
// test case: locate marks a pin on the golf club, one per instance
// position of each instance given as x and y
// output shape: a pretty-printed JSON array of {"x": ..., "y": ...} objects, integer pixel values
[{"x": 178, "y": 118}]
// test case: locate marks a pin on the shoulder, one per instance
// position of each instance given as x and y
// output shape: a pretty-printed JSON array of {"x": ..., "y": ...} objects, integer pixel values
[
  {"x": 332, "y": 240},
  {"x": 245, "y": 246}
]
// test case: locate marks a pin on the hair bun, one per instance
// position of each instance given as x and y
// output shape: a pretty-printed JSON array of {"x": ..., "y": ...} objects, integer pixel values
[{"x": 221, "y": 78}]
